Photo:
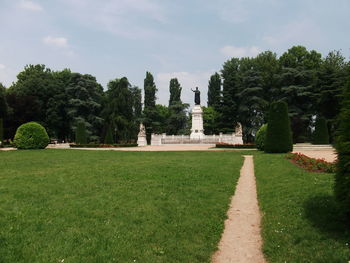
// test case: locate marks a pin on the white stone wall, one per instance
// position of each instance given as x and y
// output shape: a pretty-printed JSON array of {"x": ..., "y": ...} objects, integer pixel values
[{"x": 159, "y": 139}]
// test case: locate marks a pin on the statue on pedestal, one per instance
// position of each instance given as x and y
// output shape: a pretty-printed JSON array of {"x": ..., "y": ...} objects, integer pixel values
[{"x": 197, "y": 96}]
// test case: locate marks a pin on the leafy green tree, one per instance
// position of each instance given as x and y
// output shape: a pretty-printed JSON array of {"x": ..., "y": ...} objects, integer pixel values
[
  {"x": 175, "y": 91},
  {"x": 321, "y": 135},
  {"x": 210, "y": 120},
  {"x": 1, "y": 131},
  {"x": 177, "y": 110},
  {"x": 251, "y": 102},
  {"x": 109, "y": 136},
  {"x": 229, "y": 106},
  {"x": 31, "y": 135},
  {"x": 3, "y": 103},
  {"x": 85, "y": 104},
  {"x": 331, "y": 79},
  {"x": 162, "y": 115},
  {"x": 214, "y": 91},
  {"x": 119, "y": 109},
  {"x": 80, "y": 133},
  {"x": 278, "y": 133},
  {"x": 149, "y": 112},
  {"x": 342, "y": 177},
  {"x": 298, "y": 81}
]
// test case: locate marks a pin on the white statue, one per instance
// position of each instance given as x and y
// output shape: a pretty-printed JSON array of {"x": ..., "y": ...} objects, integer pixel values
[
  {"x": 238, "y": 130},
  {"x": 142, "y": 131}
]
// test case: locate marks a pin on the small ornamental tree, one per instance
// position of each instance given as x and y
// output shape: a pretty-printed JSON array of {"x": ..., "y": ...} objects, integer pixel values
[
  {"x": 342, "y": 177},
  {"x": 260, "y": 137},
  {"x": 80, "y": 133},
  {"x": 321, "y": 131},
  {"x": 278, "y": 133},
  {"x": 109, "y": 136},
  {"x": 31, "y": 135}
]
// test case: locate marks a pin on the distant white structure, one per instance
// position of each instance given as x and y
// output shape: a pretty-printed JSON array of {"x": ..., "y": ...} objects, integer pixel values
[
  {"x": 141, "y": 138},
  {"x": 197, "y": 130}
]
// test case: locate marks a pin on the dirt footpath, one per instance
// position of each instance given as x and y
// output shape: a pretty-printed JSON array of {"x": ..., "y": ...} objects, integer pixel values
[{"x": 241, "y": 240}]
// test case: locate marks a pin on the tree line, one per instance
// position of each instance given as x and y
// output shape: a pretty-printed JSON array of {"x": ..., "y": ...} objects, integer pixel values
[{"x": 241, "y": 92}]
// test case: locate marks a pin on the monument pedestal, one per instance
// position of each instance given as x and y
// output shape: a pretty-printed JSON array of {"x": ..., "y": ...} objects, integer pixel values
[
  {"x": 197, "y": 130},
  {"x": 141, "y": 138}
]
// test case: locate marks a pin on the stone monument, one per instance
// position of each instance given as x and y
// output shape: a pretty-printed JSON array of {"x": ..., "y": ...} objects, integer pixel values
[
  {"x": 197, "y": 130},
  {"x": 141, "y": 138}
]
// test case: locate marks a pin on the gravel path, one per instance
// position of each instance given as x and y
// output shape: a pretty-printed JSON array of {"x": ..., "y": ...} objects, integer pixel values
[{"x": 241, "y": 240}]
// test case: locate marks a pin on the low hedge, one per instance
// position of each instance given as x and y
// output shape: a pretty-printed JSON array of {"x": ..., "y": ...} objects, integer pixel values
[
  {"x": 90, "y": 145},
  {"x": 235, "y": 146}
]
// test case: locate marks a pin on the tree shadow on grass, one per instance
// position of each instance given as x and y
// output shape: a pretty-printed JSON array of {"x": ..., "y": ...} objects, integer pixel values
[{"x": 324, "y": 214}]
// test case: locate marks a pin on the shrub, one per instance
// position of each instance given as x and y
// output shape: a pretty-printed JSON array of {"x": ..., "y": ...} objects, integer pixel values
[
  {"x": 235, "y": 146},
  {"x": 260, "y": 137},
  {"x": 31, "y": 135},
  {"x": 80, "y": 133},
  {"x": 342, "y": 178},
  {"x": 278, "y": 132},
  {"x": 109, "y": 136},
  {"x": 92, "y": 145},
  {"x": 321, "y": 131}
]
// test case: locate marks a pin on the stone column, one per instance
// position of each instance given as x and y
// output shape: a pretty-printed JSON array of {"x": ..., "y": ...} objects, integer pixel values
[{"x": 197, "y": 131}]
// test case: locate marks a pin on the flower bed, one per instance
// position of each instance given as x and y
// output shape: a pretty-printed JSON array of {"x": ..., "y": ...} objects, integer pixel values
[
  {"x": 311, "y": 164},
  {"x": 102, "y": 145},
  {"x": 235, "y": 146}
]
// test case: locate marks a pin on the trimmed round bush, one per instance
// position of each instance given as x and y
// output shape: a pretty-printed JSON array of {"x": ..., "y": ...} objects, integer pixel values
[
  {"x": 31, "y": 135},
  {"x": 342, "y": 177},
  {"x": 321, "y": 135},
  {"x": 260, "y": 137},
  {"x": 278, "y": 132}
]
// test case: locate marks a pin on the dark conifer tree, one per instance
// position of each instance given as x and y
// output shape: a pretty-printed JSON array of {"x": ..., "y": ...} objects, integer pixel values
[{"x": 214, "y": 91}]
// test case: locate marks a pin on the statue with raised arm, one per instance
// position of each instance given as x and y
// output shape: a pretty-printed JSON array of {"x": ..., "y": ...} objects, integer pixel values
[{"x": 197, "y": 96}]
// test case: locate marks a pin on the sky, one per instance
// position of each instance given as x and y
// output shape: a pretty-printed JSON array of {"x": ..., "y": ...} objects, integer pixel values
[{"x": 189, "y": 39}]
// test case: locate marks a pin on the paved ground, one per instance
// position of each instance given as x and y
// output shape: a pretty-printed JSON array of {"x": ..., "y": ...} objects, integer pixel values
[{"x": 241, "y": 240}]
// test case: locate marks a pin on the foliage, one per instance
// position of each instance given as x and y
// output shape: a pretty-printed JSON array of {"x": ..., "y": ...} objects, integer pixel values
[
  {"x": 179, "y": 201},
  {"x": 31, "y": 135},
  {"x": 342, "y": 178},
  {"x": 235, "y": 146},
  {"x": 149, "y": 112},
  {"x": 211, "y": 119},
  {"x": 301, "y": 222},
  {"x": 261, "y": 137},
  {"x": 80, "y": 133},
  {"x": 214, "y": 91},
  {"x": 312, "y": 164},
  {"x": 1, "y": 131},
  {"x": 321, "y": 131},
  {"x": 3, "y": 103},
  {"x": 109, "y": 136},
  {"x": 278, "y": 133},
  {"x": 119, "y": 109},
  {"x": 175, "y": 91},
  {"x": 105, "y": 145}
]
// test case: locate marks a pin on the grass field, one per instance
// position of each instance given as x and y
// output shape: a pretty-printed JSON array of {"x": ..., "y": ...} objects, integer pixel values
[
  {"x": 107, "y": 206},
  {"x": 301, "y": 221}
]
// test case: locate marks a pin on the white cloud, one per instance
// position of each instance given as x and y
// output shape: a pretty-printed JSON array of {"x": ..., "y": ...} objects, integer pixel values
[
  {"x": 188, "y": 81},
  {"x": 29, "y": 5},
  {"x": 60, "y": 42},
  {"x": 238, "y": 52},
  {"x": 120, "y": 17},
  {"x": 303, "y": 32}
]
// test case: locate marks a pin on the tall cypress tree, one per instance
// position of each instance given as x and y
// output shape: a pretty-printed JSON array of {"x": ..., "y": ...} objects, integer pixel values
[
  {"x": 342, "y": 177},
  {"x": 175, "y": 91},
  {"x": 278, "y": 134},
  {"x": 149, "y": 111},
  {"x": 109, "y": 136},
  {"x": 1, "y": 132},
  {"x": 214, "y": 91}
]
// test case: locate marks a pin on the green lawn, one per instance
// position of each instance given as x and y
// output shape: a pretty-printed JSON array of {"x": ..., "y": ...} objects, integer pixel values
[
  {"x": 108, "y": 206},
  {"x": 301, "y": 222}
]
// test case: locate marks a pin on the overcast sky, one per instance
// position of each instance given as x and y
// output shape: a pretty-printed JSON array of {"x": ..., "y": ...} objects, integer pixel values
[{"x": 187, "y": 39}]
